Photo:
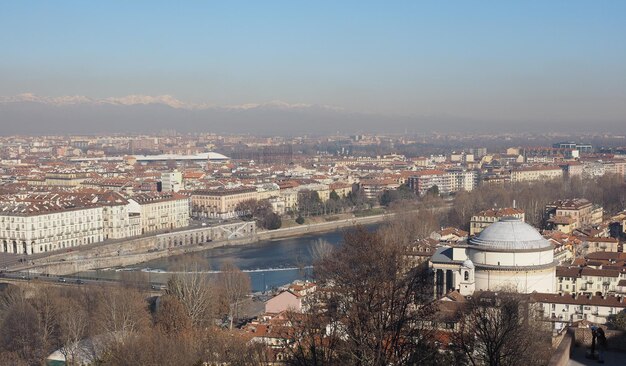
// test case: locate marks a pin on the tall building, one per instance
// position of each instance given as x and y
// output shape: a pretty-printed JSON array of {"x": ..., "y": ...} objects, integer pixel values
[
  {"x": 447, "y": 181},
  {"x": 171, "y": 181}
]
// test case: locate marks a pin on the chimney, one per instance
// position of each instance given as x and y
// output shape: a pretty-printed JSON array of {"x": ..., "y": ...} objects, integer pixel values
[{"x": 514, "y": 204}]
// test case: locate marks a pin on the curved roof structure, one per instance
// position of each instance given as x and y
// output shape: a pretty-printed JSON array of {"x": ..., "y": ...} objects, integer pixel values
[{"x": 510, "y": 234}]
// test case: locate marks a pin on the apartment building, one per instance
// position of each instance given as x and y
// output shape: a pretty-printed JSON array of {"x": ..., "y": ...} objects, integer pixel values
[
  {"x": 66, "y": 179},
  {"x": 220, "y": 203},
  {"x": 587, "y": 280},
  {"x": 447, "y": 181},
  {"x": 373, "y": 188},
  {"x": 160, "y": 211},
  {"x": 565, "y": 308},
  {"x": 571, "y": 214},
  {"x": 118, "y": 220},
  {"x": 531, "y": 174},
  {"x": 171, "y": 181},
  {"x": 462, "y": 180},
  {"x": 342, "y": 189},
  {"x": 36, "y": 226},
  {"x": 485, "y": 218}
]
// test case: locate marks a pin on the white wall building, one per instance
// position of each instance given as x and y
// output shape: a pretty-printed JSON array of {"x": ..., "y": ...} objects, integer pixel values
[
  {"x": 160, "y": 212},
  {"x": 36, "y": 227},
  {"x": 507, "y": 255},
  {"x": 171, "y": 181}
]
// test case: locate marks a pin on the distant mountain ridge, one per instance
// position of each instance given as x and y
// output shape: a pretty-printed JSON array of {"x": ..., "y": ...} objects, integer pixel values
[{"x": 34, "y": 115}]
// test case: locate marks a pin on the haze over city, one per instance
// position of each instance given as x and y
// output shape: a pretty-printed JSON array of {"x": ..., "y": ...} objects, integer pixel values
[
  {"x": 281, "y": 67},
  {"x": 313, "y": 183}
]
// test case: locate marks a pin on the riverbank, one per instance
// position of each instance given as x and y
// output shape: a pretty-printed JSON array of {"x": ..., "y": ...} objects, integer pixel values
[{"x": 136, "y": 251}]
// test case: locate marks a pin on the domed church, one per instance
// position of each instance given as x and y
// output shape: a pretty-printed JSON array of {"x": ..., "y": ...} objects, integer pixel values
[{"x": 507, "y": 255}]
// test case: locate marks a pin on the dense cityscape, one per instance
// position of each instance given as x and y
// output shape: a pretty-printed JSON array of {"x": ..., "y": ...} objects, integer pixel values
[
  {"x": 328, "y": 183},
  {"x": 535, "y": 225}
]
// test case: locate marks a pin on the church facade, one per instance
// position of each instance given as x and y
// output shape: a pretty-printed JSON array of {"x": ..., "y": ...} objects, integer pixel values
[{"x": 507, "y": 255}]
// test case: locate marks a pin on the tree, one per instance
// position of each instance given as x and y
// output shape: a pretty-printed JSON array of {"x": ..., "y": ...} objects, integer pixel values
[
  {"x": 246, "y": 209},
  {"x": 171, "y": 316},
  {"x": 194, "y": 290},
  {"x": 300, "y": 220},
  {"x": 271, "y": 221},
  {"x": 433, "y": 191},
  {"x": 236, "y": 286},
  {"x": 19, "y": 333},
  {"x": 309, "y": 203},
  {"x": 373, "y": 313},
  {"x": 73, "y": 328},
  {"x": 497, "y": 329},
  {"x": 121, "y": 312},
  {"x": 334, "y": 196}
]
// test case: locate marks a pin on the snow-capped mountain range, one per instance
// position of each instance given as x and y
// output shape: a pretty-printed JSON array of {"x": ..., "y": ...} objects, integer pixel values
[{"x": 138, "y": 99}]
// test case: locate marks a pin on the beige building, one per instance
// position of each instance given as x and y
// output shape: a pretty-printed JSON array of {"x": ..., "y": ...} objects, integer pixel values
[
  {"x": 160, "y": 211},
  {"x": 220, "y": 203},
  {"x": 485, "y": 218},
  {"x": 531, "y": 174},
  {"x": 587, "y": 280},
  {"x": 342, "y": 189},
  {"x": 571, "y": 214},
  {"x": 118, "y": 221},
  {"x": 66, "y": 179}
]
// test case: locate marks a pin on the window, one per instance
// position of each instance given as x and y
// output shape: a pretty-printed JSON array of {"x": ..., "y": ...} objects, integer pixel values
[{"x": 466, "y": 276}]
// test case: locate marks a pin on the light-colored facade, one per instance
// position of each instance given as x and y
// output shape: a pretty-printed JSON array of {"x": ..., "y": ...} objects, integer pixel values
[
  {"x": 587, "y": 280},
  {"x": 571, "y": 214},
  {"x": 424, "y": 180},
  {"x": 220, "y": 203},
  {"x": 29, "y": 228},
  {"x": 448, "y": 181},
  {"x": 118, "y": 221},
  {"x": 507, "y": 255},
  {"x": 485, "y": 218},
  {"x": 160, "y": 212},
  {"x": 171, "y": 181},
  {"x": 66, "y": 179},
  {"x": 564, "y": 308},
  {"x": 531, "y": 174}
]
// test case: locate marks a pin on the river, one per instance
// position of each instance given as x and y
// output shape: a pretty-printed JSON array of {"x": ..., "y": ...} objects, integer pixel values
[{"x": 269, "y": 263}]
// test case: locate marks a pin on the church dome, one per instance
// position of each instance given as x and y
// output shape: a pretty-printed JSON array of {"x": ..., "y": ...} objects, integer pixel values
[{"x": 510, "y": 234}]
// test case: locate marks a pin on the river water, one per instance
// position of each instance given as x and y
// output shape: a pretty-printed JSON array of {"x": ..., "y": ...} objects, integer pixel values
[{"x": 269, "y": 263}]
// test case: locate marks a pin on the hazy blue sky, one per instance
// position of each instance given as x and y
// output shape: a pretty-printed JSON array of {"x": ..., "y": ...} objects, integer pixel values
[{"x": 551, "y": 60}]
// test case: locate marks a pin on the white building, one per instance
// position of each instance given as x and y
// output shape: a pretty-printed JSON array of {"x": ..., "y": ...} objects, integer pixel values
[
  {"x": 118, "y": 221},
  {"x": 171, "y": 181},
  {"x": 563, "y": 309},
  {"x": 507, "y": 255},
  {"x": 34, "y": 227},
  {"x": 160, "y": 212}
]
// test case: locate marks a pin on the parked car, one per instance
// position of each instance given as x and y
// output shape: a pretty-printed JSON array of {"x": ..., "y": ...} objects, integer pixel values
[
  {"x": 61, "y": 279},
  {"x": 79, "y": 281}
]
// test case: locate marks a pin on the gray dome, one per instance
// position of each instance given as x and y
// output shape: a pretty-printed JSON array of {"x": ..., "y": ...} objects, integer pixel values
[
  {"x": 510, "y": 234},
  {"x": 468, "y": 264}
]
